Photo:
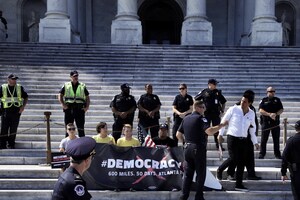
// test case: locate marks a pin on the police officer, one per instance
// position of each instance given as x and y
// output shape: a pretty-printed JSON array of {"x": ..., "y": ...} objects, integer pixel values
[
  {"x": 291, "y": 160},
  {"x": 215, "y": 104},
  {"x": 270, "y": 109},
  {"x": 149, "y": 106},
  {"x": 193, "y": 132},
  {"x": 70, "y": 185},
  {"x": 75, "y": 101},
  {"x": 123, "y": 106},
  {"x": 13, "y": 102},
  {"x": 182, "y": 106}
]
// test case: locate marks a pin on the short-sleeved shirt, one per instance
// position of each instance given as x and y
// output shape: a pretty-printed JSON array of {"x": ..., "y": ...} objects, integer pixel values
[
  {"x": 182, "y": 103},
  {"x": 123, "y": 103},
  {"x": 149, "y": 102},
  {"x": 213, "y": 100},
  {"x": 168, "y": 142},
  {"x": 70, "y": 186},
  {"x": 193, "y": 127},
  {"x": 271, "y": 105},
  {"x": 134, "y": 142},
  {"x": 108, "y": 139},
  {"x": 64, "y": 142},
  {"x": 291, "y": 153},
  {"x": 24, "y": 95}
]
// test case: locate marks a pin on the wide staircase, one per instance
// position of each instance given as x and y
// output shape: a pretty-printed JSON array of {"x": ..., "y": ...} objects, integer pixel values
[{"x": 43, "y": 68}]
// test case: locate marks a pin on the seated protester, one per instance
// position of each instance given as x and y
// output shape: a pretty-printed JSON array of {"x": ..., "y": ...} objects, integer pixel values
[
  {"x": 71, "y": 130},
  {"x": 102, "y": 136},
  {"x": 163, "y": 139},
  {"x": 128, "y": 140}
]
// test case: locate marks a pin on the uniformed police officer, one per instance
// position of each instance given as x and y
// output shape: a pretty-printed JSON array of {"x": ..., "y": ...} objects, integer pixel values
[
  {"x": 291, "y": 160},
  {"x": 215, "y": 104},
  {"x": 270, "y": 109},
  {"x": 75, "y": 101},
  {"x": 182, "y": 106},
  {"x": 123, "y": 106},
  {"x": 149, "y": 106},
  {"x": 70, "y": 185},
  {"x": 193, "y": 132},
  {"x": 13, "y": 102}
]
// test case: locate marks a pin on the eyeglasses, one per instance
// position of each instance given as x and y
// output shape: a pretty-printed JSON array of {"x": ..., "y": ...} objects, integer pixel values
[
  {"x": 71, "y": 129},
  {"x": 181, "y": 88},
  {"x": 271, "y": 91}
]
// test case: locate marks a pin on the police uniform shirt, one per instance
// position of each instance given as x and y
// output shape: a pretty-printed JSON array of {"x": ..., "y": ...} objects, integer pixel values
[
  {"x": 24, "y": 95},
  {"x": 74, "y": 86},
  {"x": 271, "y": 105},
  {"x": 183, "y": 103},
  {"x": 193, "y": 127},
  {"x": 291, "y": 153},
  {"x": 149, "y": 102},
  {"x": 70, "y": 186},
  {"x": 212, "y": 100},
  {"x": 123, "y": 103}
]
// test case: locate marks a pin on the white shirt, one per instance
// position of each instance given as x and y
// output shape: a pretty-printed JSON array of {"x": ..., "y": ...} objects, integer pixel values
[{"x": 238, "y": 123}]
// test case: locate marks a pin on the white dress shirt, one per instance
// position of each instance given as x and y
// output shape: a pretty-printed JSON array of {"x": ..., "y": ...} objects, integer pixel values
[{"x": 238, "y": 123}]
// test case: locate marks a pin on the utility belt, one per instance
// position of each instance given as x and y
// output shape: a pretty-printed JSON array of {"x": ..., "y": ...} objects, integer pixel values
[
  {"x": 195, "y": 145},
  {"x": 75, "y": 105}
]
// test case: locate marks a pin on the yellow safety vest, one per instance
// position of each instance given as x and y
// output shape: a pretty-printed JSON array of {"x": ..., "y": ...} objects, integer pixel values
[
  {"x": 78, "y": 97},
  {"x": 11, "y": 100}
]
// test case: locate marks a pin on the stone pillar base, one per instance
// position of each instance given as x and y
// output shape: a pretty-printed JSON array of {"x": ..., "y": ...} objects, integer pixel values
[
  {"x": 266, "y": 33},
  {"x": 196, "y": 33},
  {"x": 55, "y": 30},
  {"x": 126, "y": 32}
]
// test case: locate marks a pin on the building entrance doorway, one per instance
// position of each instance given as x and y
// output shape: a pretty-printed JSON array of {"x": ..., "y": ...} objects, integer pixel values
[{"x": 161, "y": 21}]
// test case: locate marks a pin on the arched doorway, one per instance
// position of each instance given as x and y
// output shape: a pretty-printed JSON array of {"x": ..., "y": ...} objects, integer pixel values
[
  {"x": 161, "y": 21},
  {"x": 285, "y": 13}
]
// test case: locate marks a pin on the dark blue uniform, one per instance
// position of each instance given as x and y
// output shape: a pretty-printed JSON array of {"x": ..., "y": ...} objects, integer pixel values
[
  {"x": 271, "y": 105},
  {"x": 193, "y": 127},
  {"x": 213, "y": 100},
  {"x": 182, "y": 104},
  {"x": 70, "y": 186}
]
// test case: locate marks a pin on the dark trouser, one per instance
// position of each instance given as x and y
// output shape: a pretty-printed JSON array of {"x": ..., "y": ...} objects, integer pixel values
[
  {"x": 150, "y": 124},
  {"x": 77, "y": 115},
  {"x": 249, "y": 160},
  {"x": 118, "y": 126},
  {"x": 177, "y": 122},
  {"x": 295, "y": 180},
  {"x": 9, "y": 126},
  {"x": 265, "y": 136},
  {"x": 237, "y": 153},
  {"x": 214, "y": 120},
  {"x": 195, "y": 159}
]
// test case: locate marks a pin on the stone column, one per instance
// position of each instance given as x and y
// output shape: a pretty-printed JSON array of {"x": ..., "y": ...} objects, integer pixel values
[
  {"x": 55, "y": 27},
  {"x": 73, "y": 13},
  {"x": 265, "y": 30},
  {"x": 126, "y": 28},
  {"x": 196, "y": 30}
]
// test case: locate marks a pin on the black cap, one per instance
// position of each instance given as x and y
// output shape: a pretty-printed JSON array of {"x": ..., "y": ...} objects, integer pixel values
[
  {"x": 12, "y": 76},
  {"x": 213, "y": 81},
  {"x": 125, "y": 86},
  {"x": 164, "y": 125},
  {"x": 74, "y": 73},
  {"x": 297, "y": 125},
  {"x": 81, "y": 148}
]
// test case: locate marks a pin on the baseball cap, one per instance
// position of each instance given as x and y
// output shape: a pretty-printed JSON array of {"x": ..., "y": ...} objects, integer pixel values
[
  {"x": 125, "y": 86},
  {"x": 74, "y": 73},
  {"x": 297, "y": 125},
  {"x": 164, "y": 125},
  {"x": 213, "y": 81},
  {"x": 81, "y": 148},
  {"x": 12, "y": 76}
]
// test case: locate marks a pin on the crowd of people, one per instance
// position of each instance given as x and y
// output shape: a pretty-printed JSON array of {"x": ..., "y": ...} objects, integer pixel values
[{"x": 194, "y": 119}]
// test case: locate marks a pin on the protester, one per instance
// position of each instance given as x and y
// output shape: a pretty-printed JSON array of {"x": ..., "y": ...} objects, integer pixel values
[
  {"x": 71, "y": 130},
  {"x": 102, "y": 136},
  {"x": 193, "y": 133},
  {"x": 163, "y": 139},
  {"x": 128, "y": 140}
]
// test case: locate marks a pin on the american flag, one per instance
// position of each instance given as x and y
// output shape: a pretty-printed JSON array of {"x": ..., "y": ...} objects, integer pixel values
[
  {"x": 144, "y": 137},
  {"x": 148, "y": 142}
]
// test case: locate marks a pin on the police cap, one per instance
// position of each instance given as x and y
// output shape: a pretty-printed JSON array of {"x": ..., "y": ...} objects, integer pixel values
[
  {"x": 12, "y": 76},
  {"x": 125, "y": 86},
  {"x": 297, "y": 125},
  {"x": 164, "y": 126},
  {"x": 74, "y": 73},
  {"x": 81, "y": 148},
  {"x": 213, "y": 81}
]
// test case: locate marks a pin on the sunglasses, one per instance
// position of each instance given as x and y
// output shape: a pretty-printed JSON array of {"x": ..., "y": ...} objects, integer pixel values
[
  {"x": 71, "y": 129},
  {"x": 181, "y": 88},
  {"x": 271, "y": 91}
]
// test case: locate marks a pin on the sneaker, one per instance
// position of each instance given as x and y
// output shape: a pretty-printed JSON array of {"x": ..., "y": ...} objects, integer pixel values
[
  {"x": 241, "y": 188},
  {"x": 256, "y": 178},
  {"x": 230, "y": 178},
  {"x": 260, "y": 156},
  {"x": 219, "y": 175}
]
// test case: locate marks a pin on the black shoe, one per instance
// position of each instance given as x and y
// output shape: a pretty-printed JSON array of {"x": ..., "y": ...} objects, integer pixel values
[
  {"x": 219, "y": 175},
  {"x": 241, "y": 188},
  {"x": 260, "y": 156},
  {"x": 11, "y": 146},
  {"x": 230, "y": 178},
  {"x": 117, "y": 190},
  {"x": 256, "y": 178},
  {"x": 278, "y": 157}
]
